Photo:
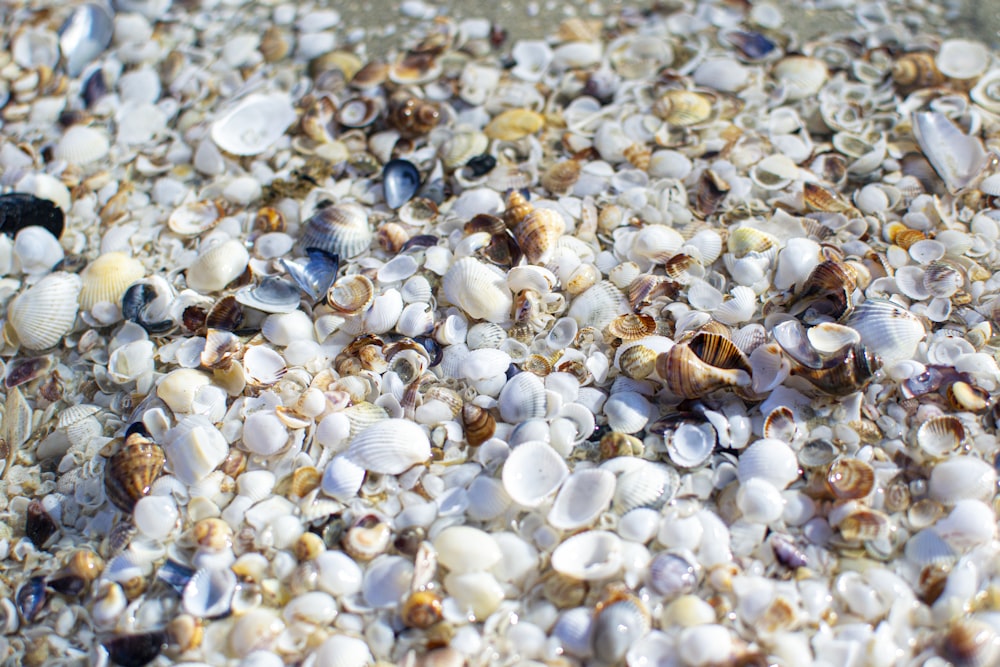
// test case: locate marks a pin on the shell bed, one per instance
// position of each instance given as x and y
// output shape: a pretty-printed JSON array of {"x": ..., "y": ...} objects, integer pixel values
[{"x": 666, "y": 340}]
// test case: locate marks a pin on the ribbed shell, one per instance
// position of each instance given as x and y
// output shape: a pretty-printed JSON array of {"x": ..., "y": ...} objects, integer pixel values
[
  {"x": 129, "y": 474},
  {"x": 340, "y": 229},
  {"x": 45, "y": 312},
  {"x": 888, "y": 330},
  {"x": 390, "y": 447},
  {"x": 538, "y": 233},
  {"x": 522, "y": 398},
  {"x": 707, "y": 363},
  {"x": 478, "y": 289},
  {"x": 599, "y": 305},
  {"x": 108, "y": 277}
]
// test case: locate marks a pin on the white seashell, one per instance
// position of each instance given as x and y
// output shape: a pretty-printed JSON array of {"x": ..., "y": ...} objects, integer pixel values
[
  {"x": 209, "y": 593},
  {"x": 775, "y": 172},
  {"x": 522, "y": 398},
  {"x": 396, "y": 269},
  {"x": 690, "y": 445},
  {"x": 416, "y": 319},
  {"x": 642, "y": 484},
  {"x": 583, "y": 497},
  {"x": 759, "y": 501},
  {"x": 655, "y": 243},
  {"x": 487, "y": 498},
  {"x": 37, "y": 251},
  {"x": 962, "y": 477},
  {"x": 572, "y": 630},
  {"x": 285, "y": 328},
  {"x": 971, "y": 523},
  {"x": 599, "y": 305},
  {"x": 611, "y": 141},
  {"x": 478, "y": 289},
  {"x": 264, "y": 434},
  {"x": 830, "y": 337},
  {"x": 956, "y": 157},
  {"x": 962, "y": 58},
  {"x": 194, "y": 448},
  {"x": 384, "y": 312},
  {"x": 627, "y": 411},
  {"x": 532, "y": 58},
  {"x": 386, "y": 581},
  {"x": 217, "y": 266},
  {"x": 341, "y": 651},
  {"x": 312, "y": 608},
  {"x": 155, "y": 516},
  {"x": 769, "y": 459},
  {"x": 530, "y": 277},
  {"x": 986, "y": 92},
  {"x": 82, "y": 145},
  {"x": 106, "y": 279},
  {"x": 45, "y": 312},
  {"x": 390, "y": 446},
  {"x": 477, "y": 594},
  {"x": 888, "y": 330},
  {"x": 466, "y": 549},
  {"x": 589, "y": 556},
  {"x": 255, "y": 124},
  {"x": 703, "y": 296},
  {"x": 416, "y": 289},
  {"x": 194, "y": 218},
  {"x": 485, "y": 335},
  {"x": 801, "y": 76},
  {"x": 532, "y": 472},
  {"x": 910, "y": 281},
  {"x": 485, "y": 363},
  {"x": 704, "y": 645},
  {"x": 263, "y": 366},
  {"x": 725, "y": 74},
  {"x": 739, "y": 308},
  {"x": 576, "y": 55},
  {"x": 338, "y": 574},
  {"x": 617, "y": 627}
]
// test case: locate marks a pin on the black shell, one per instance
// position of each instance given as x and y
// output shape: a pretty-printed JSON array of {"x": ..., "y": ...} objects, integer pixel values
[
  {"x": 19, "y": 210},
  {"x": 135, "y": 650},
  {"x": 31, "y": 598},
  {"x": 38, "y": 524}
]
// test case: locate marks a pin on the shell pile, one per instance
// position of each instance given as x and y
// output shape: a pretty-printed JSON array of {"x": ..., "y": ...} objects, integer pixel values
[{"x": 665, "y": 340}]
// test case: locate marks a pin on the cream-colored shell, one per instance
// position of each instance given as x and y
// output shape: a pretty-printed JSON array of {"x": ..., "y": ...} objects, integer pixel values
[
  {"x": 218, "y": 266},
  {"x": 108, "y": 277},
  {"x": 44, "y": 313},
  {"x": 478, "y": 289}
]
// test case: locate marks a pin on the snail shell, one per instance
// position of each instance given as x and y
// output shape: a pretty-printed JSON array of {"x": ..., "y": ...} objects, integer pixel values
[
  {"x": 704, "y": 364},
  {"x": 413, "y": 116},
  {"x": 844, "y": 373},
  {"x": 422, "y": 609},
  {"x": 916, "y": 70},
  {"x": 129, "y": 474},
  {"x": 538, "y": 233},
  {"x": 479, "y": 424}
]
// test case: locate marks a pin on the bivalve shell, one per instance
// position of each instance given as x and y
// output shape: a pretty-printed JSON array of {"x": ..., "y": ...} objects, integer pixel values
[
  {"x": 340, "y": 229},
  {"x": 589, "y": 556},
  {"x": 583, "y": 497},
  {"x": 45, "y": 312},
  {"x": 81, "y": 145},
  {"x": 478, "y": 289},
  {"x": 390, "y": 447},
  {"x": 107, "y": 278},
  {"x": 532, "y": 472},
  {"x": 217, "y": 266},
  {"x": 887, "y": 329},
  {"x": 254, "y": 125},
  {"x": 522, "y": 398}
]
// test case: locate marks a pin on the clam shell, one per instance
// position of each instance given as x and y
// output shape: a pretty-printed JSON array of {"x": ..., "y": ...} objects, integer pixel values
[
  {"x": 589, "y": 556},
  {"x": 129, "y": 473},
  {"x": 107, "y": 278},
  {"x": 532, "y": 472},
  {"x": 850, "y": 478},
  {"x": 84, "y": 35},
  {"x": 888, "y": 330},
  {"x": 272, "y": 295},
  {"x": 802, "y": 76},
  {"x": 940, "y": 436},
  {"x": 627, "y": 411},
  {"x": 217, "y": 266},
  {"x": 478, "y": 289},
  {"x": 522, "y": 398},
  {"x": 352, "y": 294},
  {"x": 514, "y": 124},
  {"x": 690, "y": 445},
  {"x": 45, "y": 312},
  {"x": 400, "y": 180},
  {"x": 390, "y": 446},
  {"x": 617, "y": 628},
  {"x": 193, "y": 218},
  {"x": 642, "y": 483},
  {"x": 956, "y": 157},
  {"x": 770, "y": 459},
  {"x": 82, "y": 145},
  {"x": 962, "y": 58},
  {"x": 599, "y": 305},
  {"x": 254, "y": 125},
  {"x": 583, "y": 497},
  {"x": 340, "y": 229},
  {"x": 461, "y": 147}
]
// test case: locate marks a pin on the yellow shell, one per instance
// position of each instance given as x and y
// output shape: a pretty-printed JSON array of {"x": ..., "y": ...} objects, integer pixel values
[
  {"x": 518, "y": 208},
  {"x": 744, "y": 240},
  {"x": 638, "y": 155},
  {"x": 614, "y": 444},
  {"x": 818, "y": 198},
  {"x": 683, "y": 108},
  {"x": 108, "y": 277},
  {"x": 422, "y": 609},
  {"x": 538, "y": 233},
  {"x": 514, "y": 124}
]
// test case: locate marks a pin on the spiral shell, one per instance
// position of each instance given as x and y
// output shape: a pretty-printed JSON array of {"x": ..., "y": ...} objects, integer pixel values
[
  {"x": 422, "y": 609},
  {"x": 916, "y": 70},
  {"x": 538, "y": 233},
  {"x": 413, "y": 116},
  {"x": 844, "y": 373},
  {"x": 704, "y": 364},
  {"x": 561, "y": 176},
  {"x": 479, "y": 424},
  {"x": 129, "y": 473},
  {"x": 358, "y": 112},
  {"x": 340, "y": 229}
]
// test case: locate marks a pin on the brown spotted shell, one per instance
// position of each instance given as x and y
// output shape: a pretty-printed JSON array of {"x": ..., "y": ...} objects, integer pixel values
[
  {"x": 561, "y": 176},
  {"x": 129, "y": 474},
  {"x": 818, "y": 198},
  {"x": 538, "y": 233},
  {"x": 637, "y": 362},
  {"x": 706, "y": 363},
  {"x": 479, "y": 424}
]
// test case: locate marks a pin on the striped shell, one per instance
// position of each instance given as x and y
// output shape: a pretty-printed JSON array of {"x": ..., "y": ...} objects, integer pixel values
[
  {"x": 45, "y": 312},
  {"x": 706, "y": 363},
  {"x": 390, "y": 447},
  {"x": 538, "y": 233},
  {"x": 340, "y": 229},
  {"x": 107, "y": 278},
  {"x": 129, "y": 474}
]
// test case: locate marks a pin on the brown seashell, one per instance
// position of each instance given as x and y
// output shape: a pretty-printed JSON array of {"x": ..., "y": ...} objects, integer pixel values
[
  {"x": 479, "y": 424},
  {"x": 220, "y": 349},
  {"x": 518, "y": 207},
  {"x": 907, "y": 237},
  {"x": 269, "y": 219},
  {"x": 632, "y": 326},
  {"x": 637, "y": 362},
  {"x": 213, "y": 534},
  {"x": 413, "y": 117},
  {"x": 273, "y": 44},
  {"x": 422, "y": 609},
  {"x": 537, "y": 364},
  {"x": 81, "y": 568},
  {"x": 391, "y": 237},
  {"x": 577, "y": 29},
  {"x": 647, "y": 287},
  {"x": 638, "y": 155},
  {"x": 850, "y": 479},
  {"x": 185, "y": 632},
  {"x": 818, "y": 198},
  {"x": 129, "y": 474},
  {"x": 712, "y": 189},
  {"x": 706, "y": 363},
  {"x": 717, "y": 327},
  {"x": 864, "y": 525},
  {"x": 538, "y": 233},
  {"x": 316, "y": 120},
  {"x": 829, "y": 287},
  {"x": 331, "y": 70},
  {"x": 561, "y": 176},
  {"x": 912, "y": 71},
  {"x": 449, "y": 397},
  {"x": 226, "y": 314},
  {"x": 39, "y": 526},
  {"x": 676, "y": 267},
  {"x": 358, "y": 112},
  {"x": 940, "y": 436},
  {"x": 970, "y": 642},
  {"x": 369, "y": 537},
  {"x": 843, "y": 373},
  {"x": 351, "y": 294},
  {"x": 614, "y": 444},
  {"x": 309, "y": 546}
]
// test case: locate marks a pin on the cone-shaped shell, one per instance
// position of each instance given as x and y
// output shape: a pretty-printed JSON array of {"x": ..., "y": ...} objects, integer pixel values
[
  {"x": 842, "y": 373},
  {"x": 340, "y": 229},
  {"x": 478, "y": 289},
  {"x": 390, "y": 447},
  {"x": 538, "y": 233},
  {"x": 45, "y": 312},
  {"x": 129, "y": 474},
  {"x": 706, "y": 363},
  {"x": 479, "y": 424},
  {"x": 107, "y": 278}
]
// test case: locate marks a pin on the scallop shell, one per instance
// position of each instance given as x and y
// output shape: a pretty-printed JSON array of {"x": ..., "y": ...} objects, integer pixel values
[
  {"x": 642, "y": 483},
  {"x": 632, "y": 326},
  {"x": 627, "y": 411},
  {"x": 45, "y": 312},
  {"x": 589, "y": 556},
  {"x": 514, "y": 124},
  {"x": 479, "y": 289},
  {"x": 390, "y": 446},
  {"x": 940, "y": 436},
  {"x": 129, "y": 473},
  {"x": 82, "y": 145},
  {"x": 888, "y": 330},
  {"x": 538, "y": 233},
  {"x": 351, "y": 294},
  {"x": 802, "y": 76},
  {"x": 255, "y": 124},
  {"x": 340, "y": 229},
  {"x": 532, "y": 472},
  {"x": 461, "y": 147},
  {"x": 107, "y": 278},
  {"x": 583, "y": 497},
  {"x": 522, "y": 398}
]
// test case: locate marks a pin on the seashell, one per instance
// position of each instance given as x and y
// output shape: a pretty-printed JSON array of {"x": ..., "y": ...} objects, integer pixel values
[
  {"x": 317, "y": 275},
  {"x": 986, "y": 92},
  {"x": 957, "y": 158},
  {"x": 209, "y": 593},
  {"x": 107, "y": 278},
  {"x": 390, "y": 447},
  {"x": 739, "y": 308},
  {"x": 618, "y": 625},
  {"x": 254, "y": 124},
  {"x": 538, "y": 233},
  {"x": 194, "y": 218},
  {"x": 690, "y": 445},
  {"x": 413, "y": 117},
  {"x": 135, "y": 649},
  {"x": 129, "y": 473},
  {"x": 642, "y": 484},
  {"x": 962, "y": 58},
  {"x": 217, "y": 266},
  {"x": 599, "y": 305},
  {"x": 704, "y": 364},
  {"x": 769, "y": 459},
  {"x": 561, "y": 176},
  {"x": 358, "y": 112},
  {"x": 970, "y": 642},
  {"x": 81, "y": 145},
  {"x": 339, "y": 229},
  {"x": 940, "y": 436},
  {"x": 401, "y": 180},
  {"x": 887, "y": 330},
  {"x": 683, "y": 108},
  {"x": 272, "y": 295},
  {"x": 522, "y": 398},
  {"x": 514, "y": 124},
  {"x": 672, "y": 575},
  {"x": 80, "y": 570},
  {"x": 479, "y": 289},
  {"x": 351, "y": 294},
  {"x": 461, "y": 147},
  {"x": 84, "y": 35},
  {"x": 479, "y": 424},
  {"x": 842, "y": 373},
  {"x": 583, "y": 497},
  {"x": 422, "y": 609},
  {"x": 801, "y": 76},
  {"x": 194, "y": 448},
  {"x": 367, "y": 538},
  {"x": 464, "y": 549},
  {"x": 589, "y": 556},
  {"x": 532, "y": 472},
  {"x": 916, "y": 70},
  {"x": 627, "y": 411},
  {"x": 632, "y": 326},
  {"x": 850, "y": 479},
  {"x": 45, "y": 312},
  {"x": 19, "y": 210}
]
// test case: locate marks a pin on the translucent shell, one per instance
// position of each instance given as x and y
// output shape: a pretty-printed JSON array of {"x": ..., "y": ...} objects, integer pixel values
[
  {"x": 706, "y": 363},
  {"x": 478, "y": 289},
  {"x": 582, "y": 498},
  {"x": 620, "y": 623},
  {"x": 254, "y": 125},
  {"x": 532, "y": 472},
  {"x": 514, "y": 124},
  {"x": 462, "y": 147},
  {"x": 107, "y": 278},
  {"x": 538, "y": 233},
  {"x": 45, "y": 312},
  {"x": 340, "y": 229},
  {"x": 129, "y": 474}
]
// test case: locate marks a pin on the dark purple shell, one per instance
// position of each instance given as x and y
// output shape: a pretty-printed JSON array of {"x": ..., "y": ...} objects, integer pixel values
[
  {"x": 135, "y": 650},
  {"x": 19, "y": 210}
]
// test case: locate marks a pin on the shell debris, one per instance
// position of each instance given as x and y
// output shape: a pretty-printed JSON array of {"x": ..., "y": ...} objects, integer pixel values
[{"x": 671, "y": 336}]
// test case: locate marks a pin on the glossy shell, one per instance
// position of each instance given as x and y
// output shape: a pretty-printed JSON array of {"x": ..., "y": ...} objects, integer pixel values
[
  {"x": 45, "y": 312},
  {"x": 340, "y": 229},
  {"x": 129, "y": 474},
  {"x": 254, "y": 125}
]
